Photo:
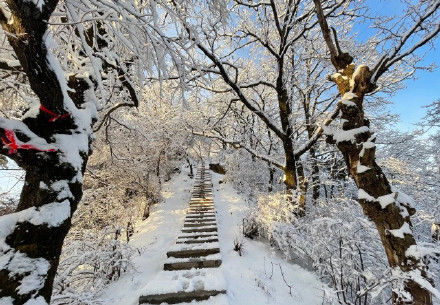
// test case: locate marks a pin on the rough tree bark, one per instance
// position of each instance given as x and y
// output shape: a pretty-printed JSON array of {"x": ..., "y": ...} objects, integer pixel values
[
  {"x": 389, "y": 211},
  {"x": 52, "y": 147}
]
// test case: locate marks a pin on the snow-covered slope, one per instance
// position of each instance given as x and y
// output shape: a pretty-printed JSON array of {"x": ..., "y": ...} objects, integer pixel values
[
  {"x": 153, "y": 238},
  {"x": 261, "y": 275},
  {"x": 250, "y": 279}
]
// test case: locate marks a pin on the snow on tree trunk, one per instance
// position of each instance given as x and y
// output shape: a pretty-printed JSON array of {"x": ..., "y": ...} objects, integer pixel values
[
  {"x": 389, "y": 210},
  {"x": 52, "y": 144}
]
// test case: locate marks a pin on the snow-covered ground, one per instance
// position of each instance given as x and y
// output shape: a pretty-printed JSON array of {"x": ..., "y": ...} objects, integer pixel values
[
  {"x": 153, "y": 237},
  {"x": 250, "y": 279}
]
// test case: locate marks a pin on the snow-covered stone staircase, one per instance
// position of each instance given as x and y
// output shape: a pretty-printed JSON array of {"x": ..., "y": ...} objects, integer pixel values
[{"x": 191, "y": 271}]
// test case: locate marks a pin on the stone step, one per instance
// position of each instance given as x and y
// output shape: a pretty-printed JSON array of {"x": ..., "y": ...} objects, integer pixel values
[
  {"x": 192, "y": 252},
  {"x": 200, "y": 212},
  {"x": 199, "y": 215},
  {"x": 198, "y": 264},
  {"x": 179, "y": 297},
  {"x": 206, "y": 219},
  {"x": 201, "y": 224},
  {"x": 200, "y": 209},
  {"x": 202, "y": 201},
  {"x": 198, "y": 241},
  {"x": 195, "y": 230},
  {"x": 202, "y": 204},
  {"x": 200, "y": 235}
]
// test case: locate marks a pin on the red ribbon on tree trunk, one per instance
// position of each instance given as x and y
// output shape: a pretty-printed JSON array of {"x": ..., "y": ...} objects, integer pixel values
[
  {"x": 11, "y": 142},
  {"x": 54, "y": 115}
]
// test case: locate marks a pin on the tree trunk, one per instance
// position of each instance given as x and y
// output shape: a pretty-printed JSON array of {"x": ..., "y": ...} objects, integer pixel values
[
  {"x": 271, "y": 177},
  {"x": 389, "y": 211},
  {"x": 41, "y": 243},
  {"x": 191, "y": 171},
  {"x": 45, "y": 147},
  {"x": 303, "y": 183},
  {"x": 316, "y": 183},
  {"x": 290, "y": 179},
  {"x": 158, "y": 168}
]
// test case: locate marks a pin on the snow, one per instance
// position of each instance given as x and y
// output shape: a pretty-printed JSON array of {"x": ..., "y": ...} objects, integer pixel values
[
  {"x": 384, "y": 200},
  {"x": 38, "y": 3},
  {"x": 204, "y": 234},
  {"x": 340, "y": 135},
  {"x": 367, "y": 145},
  {"x": 153, "y": 237},
  {"x": 349, "y": 96},
  {"x": 62, "y": 188},
  {"x": 414, "y": 251},
  {"x": 187, "y": 280},
  {"x": 34, "y": 270},
  {"x": 193, "y": 259},
  {"x": 72, "y": 146},
  {"x": 182, "y": 247},
  {"x": 400, "y": 233},
  {"x": 248, "y": 277},
  {"x": 6, "y": 301},
  {"x": 348, "y": 102},
  {"x": 361, "y": 168},
  {"x": 21, "y": 264},
  {"x": 220, "y": 299},
  {"x": 52, "y": 214},
  {"x": 347, "y": 99},
  {"x": 35, "y": 140},
  {"x": 365, "y": 196},
  {"x": 38, "y": 301},
  {"x": 404, "y": 198}
]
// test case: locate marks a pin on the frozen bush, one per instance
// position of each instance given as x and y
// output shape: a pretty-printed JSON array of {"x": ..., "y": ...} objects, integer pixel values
[
  {"x": 89, "y": 262},
  {"x": 335, "y": 239}
]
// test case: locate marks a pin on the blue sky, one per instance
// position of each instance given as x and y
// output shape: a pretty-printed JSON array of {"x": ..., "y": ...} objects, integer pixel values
[{"x": 425, "y": 89}]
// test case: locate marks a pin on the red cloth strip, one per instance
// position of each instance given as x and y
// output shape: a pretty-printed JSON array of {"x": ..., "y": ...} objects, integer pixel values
[
  {"x": 54, "y": 115},
  {"x": 11, "y": 142}
]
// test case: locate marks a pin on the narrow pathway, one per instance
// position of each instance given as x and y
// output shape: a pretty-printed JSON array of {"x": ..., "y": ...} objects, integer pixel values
[{"x": 192, "y": 271}]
